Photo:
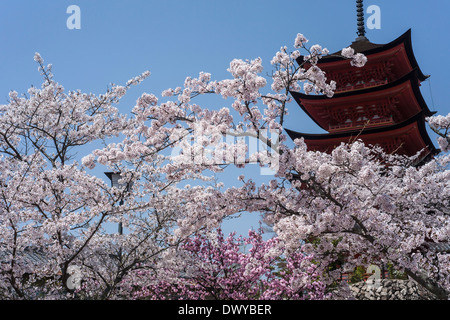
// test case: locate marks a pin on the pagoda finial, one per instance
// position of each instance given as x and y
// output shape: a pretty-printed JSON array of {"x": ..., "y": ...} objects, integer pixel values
[{"x": 360, "y": 14}]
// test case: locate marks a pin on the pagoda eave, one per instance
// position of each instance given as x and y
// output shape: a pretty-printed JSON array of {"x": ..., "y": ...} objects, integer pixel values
[
  {"x": 371, "y": 50},
  {"x": 407, "y": 138},
  {"x": 411, "y": 76},
  {"x": 403, "y": 94}
]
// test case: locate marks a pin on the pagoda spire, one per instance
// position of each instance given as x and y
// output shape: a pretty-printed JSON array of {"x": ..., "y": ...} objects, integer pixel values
[{"x": 361, "y": 21}]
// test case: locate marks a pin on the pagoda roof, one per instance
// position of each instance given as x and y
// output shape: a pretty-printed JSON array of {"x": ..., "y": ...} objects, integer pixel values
[
  {"x": 413, "y": 130},
  {"x": 364, "y": 46},
  {"x": 313, "y": 105}
]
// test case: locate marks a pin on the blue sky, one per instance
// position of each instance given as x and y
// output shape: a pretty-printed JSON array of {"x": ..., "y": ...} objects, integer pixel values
[{"x": 173, "y": 39}]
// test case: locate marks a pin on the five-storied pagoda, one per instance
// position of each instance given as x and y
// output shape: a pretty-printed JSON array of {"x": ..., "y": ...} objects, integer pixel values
[{"x": 380, "y": 103}]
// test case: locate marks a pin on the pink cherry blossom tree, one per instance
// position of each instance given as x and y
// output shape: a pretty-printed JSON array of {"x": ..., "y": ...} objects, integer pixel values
[
  {"x": 215, "y": 267},
  {"x": 219, "y": 268}
]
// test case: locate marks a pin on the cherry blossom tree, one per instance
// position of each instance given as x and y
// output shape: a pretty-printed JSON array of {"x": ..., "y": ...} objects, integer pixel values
[
  {"x": 358, "y": 206},
  {"x": 52, "y": 207},
  {"x": 355, "y": 206}
]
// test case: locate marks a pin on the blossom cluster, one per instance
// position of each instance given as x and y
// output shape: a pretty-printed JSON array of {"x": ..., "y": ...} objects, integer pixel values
[{"x": 441, "y": 125}]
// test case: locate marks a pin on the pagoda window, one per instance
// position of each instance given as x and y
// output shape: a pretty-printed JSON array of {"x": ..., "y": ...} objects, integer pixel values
[
  {"x": 360, "y": 116},
  {"x": 376, "y": 75}
]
